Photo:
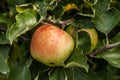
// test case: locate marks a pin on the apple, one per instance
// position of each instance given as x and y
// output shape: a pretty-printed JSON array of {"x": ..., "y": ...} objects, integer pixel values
[
  {"x": 71, "y": 30},
  {"x": 51, "y": 45}
]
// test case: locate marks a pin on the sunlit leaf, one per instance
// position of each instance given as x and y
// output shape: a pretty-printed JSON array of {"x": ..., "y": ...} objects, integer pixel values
[
  {"x": 93, "y": 37},
  {"x": 21, "y": 8},
  {"x": 23, "y": 24},
  {"x": 70, "y": 6}
]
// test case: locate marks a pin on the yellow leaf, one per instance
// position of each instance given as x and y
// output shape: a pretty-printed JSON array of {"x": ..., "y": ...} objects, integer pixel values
[
  {"x": 70, "y": 6},
  {"x": 93, "y": 36},
  {"x": 21, "y": 8}
]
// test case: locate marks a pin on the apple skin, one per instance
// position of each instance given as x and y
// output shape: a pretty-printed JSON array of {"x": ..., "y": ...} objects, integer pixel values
[{"x": 51, "y": 45}]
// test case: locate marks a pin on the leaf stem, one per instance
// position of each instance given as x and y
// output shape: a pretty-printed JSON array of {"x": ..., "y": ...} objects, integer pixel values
[
  {"x": 107, "y": 47},
  {"x": 107, "y": 39}
]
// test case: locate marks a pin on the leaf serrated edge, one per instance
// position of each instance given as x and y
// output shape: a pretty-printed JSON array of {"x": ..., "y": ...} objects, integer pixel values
[{"x": 74, "y": 64}]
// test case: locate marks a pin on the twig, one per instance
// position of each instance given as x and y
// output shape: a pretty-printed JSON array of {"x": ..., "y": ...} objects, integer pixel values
[
  {"x": 63, "y": 23},
  {"x": 3, "y": 29},
  {"x": 92, "y": 54},
  {"x": 22, "y": 37}
]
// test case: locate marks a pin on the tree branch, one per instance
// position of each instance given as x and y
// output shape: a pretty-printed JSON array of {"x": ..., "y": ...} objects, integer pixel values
[
  {"x": 22, "y": 37},
  {"x": 92, "y": 54},
  {"x": 63, "y": 23},
  {"x": 3, "y": 29}
]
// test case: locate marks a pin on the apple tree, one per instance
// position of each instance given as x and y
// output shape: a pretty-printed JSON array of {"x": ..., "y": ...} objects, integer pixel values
[{"x": 93, "y": 24}]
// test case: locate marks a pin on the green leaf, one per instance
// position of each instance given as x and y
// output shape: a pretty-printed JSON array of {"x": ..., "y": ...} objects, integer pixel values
[
  {"x": 108, "y": 73},
  {"x": 77, "y": 59},
  {"x": 102, "y": 5},
  {"x": 84, "y": 23},
  {"x": 39, "y": 71},
  {"x": 5, "y": 19},
  {"x": 58, "y": 12},
  {"x": 107, "y": 20},
  {"x": 24, "y": 22},
  {"x": 87, "y": 10},
  {"x": 116, "y": 38},
  {"x": 13, "y": 2},
  {"x": 4, "y": 50},
  {"x": 83, "y": 41},
  {"x": 111, "y": 56},
  {"x": 20, "y": 71},
  {"x": 21, "y": 8},
  {"x": 42, "y": 9},
  {"x": 14, "y": 53},
  {"x": 93, "y": 37},
  {"x": 3, "y": 39},
  {"x": 58, "y": 74},
  {"x": 90, "y": 2},
  {"x": 50, "y": 3},
  {"x": 24, "y": 51},
  {"x": 70, "y": 73},
  {"x": 78, "y": 74}
]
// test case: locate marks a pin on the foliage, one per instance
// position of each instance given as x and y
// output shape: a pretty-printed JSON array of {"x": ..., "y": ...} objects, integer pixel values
[{"x": 94, "y": 25}]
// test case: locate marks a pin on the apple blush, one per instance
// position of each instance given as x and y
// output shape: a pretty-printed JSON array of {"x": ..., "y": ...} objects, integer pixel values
[{"x": 51, "y": 45}]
